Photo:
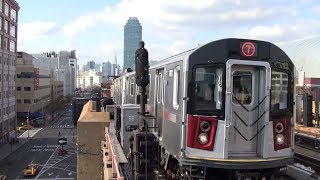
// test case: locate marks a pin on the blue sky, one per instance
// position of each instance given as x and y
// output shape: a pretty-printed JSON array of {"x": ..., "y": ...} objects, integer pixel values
[{"x": 95, "y": 30}]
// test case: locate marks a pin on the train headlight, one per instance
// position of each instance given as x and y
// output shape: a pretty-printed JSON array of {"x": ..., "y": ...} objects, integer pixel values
[
  {"x": 205, "y": 126},
  {"x": 203, "y": 138},
  {"x": 279, "y": 139},
  {"x": 279, "y": 127}
]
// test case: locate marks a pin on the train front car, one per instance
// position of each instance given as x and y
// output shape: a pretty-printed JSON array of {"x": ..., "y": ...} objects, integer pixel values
[{"x": 239, "y": 109}]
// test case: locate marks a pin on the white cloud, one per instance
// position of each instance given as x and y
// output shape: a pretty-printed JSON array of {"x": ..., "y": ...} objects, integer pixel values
[
  {"x": 301, "y": 28},
  {"x": 79, "y": 25},
  {"x": 173, "y": 26},
  {"x": 35, "y": 30},
  {"x": 178, "y": 14}
]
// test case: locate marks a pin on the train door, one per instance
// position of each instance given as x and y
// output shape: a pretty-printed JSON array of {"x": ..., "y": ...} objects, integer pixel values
[
  {"x": 247, "y": 90},
  {"x": 159, "y": 93}
]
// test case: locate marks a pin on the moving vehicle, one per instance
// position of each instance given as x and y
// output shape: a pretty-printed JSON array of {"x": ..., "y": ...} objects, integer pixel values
[
  {"x": 223, "y": 107},
  {"x": 30, "y": 170}
]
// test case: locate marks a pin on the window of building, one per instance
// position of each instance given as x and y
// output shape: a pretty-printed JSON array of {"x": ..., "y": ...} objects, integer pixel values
[
  {"x": 6, "y": 9},
  {"x": 6, "y": 26},
  {"x": 131, "y": 86},
  {"x": 5, "y": 43},
  {"x": 13, "y": 30},
  {"x": 19, "y": 101},
  {"x": 13, "y": 15},
  {"x": 0, "y": 41},
  {"x": 91, "y": 80},
  {"x": 1, "y": 19},
  {"x": 25, "y": 75},
  {"x": 176, "y": 87},
  {"x": 27, "y": 101},
  {"x": 12, "y": 46},
  {"x": 18, "y": 88},
  {"x": 27, "y": 88},
  {"x": 1, "y": 3}
]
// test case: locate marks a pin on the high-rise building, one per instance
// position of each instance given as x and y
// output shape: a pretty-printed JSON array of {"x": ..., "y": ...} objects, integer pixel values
[
  {"x": 8, "y": 41},
  {"x": 106, "y": 69},
  {"x": 98, "y": 67},
  {"x": 132, "y": 37},
  {"x": 67, "y": 72}
]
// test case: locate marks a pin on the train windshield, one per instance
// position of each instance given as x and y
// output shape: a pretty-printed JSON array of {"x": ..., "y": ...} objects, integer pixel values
[
  {"x": 208, "y": 88},
  {"x": 279, "y": 90}
]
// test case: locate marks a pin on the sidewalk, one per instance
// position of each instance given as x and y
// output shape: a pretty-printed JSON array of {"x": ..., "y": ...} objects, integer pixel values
[{"x": 5, "y": 149}]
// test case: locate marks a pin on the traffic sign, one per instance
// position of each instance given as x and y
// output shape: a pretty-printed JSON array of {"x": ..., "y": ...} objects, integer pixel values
[{"x": 62, "y": 141}]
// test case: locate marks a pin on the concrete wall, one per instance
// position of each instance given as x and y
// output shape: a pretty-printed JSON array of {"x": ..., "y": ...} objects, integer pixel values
[{"x": 91, "y": 126}]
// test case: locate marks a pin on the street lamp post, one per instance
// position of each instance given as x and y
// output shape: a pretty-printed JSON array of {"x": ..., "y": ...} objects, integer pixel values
[{"x": 28, "y": 119}]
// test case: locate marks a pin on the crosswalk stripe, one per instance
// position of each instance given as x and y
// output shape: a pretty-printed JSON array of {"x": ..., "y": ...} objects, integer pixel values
[{"x": 61, "y": 126}]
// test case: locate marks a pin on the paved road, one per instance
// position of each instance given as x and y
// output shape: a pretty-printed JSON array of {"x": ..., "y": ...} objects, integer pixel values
[{"x": 41, "y": 149}]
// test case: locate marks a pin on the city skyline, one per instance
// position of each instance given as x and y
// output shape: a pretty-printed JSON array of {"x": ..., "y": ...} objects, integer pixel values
[{"x": 95, "y": 30}]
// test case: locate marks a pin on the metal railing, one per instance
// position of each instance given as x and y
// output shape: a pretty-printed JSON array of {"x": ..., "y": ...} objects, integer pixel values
[{"x": 112, "y": 157}]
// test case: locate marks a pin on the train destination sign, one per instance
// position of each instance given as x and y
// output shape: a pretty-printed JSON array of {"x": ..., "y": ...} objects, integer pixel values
[{"x": 248, "y": 49}]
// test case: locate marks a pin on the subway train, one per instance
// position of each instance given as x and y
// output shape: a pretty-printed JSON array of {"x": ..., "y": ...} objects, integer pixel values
[{"x": 224, "y": 108}]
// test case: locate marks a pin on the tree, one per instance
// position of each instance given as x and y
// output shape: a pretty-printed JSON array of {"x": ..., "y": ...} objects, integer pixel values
[
  {"x": 68, "y": 98},
  {"x": 96, "y": 91}
]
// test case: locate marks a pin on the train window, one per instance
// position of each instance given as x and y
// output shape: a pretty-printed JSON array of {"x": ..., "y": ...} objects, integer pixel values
[
  {"x": 279, "y": 90},
  {"x": 147, "y": 88},
  {"x": 208, "y": 88},
  {"x": 160, "y": 88},
  {"x": 176, "y": 87},
  {"x": 242, "y": 87},
  {"x": 131, "y": 86}
]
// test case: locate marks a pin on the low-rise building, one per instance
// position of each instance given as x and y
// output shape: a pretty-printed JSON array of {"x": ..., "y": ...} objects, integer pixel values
[
  {"x": 90, "y": 131},
  {"x": 33, "y": 88},
  {"x": 89, "y": 78}
]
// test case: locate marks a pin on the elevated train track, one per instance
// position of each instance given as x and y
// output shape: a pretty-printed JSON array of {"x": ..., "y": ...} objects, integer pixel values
[{"x": 307, "y": 153}]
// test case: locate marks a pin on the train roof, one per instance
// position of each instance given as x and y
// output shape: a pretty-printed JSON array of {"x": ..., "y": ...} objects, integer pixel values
[
  {"x": 227, "y": 49},
  {"x": 174, "y": 58}
]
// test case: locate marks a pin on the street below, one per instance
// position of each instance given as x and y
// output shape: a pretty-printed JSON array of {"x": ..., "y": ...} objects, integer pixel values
[{"x": 41, "y": 148}]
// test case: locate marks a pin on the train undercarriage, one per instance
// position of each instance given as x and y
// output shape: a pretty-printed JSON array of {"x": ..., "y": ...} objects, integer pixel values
[{"x": 157, "y": 163}]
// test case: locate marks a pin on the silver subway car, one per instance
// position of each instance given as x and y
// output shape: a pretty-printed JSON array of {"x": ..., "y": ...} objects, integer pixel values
[{"x": 222, "y": 108}]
